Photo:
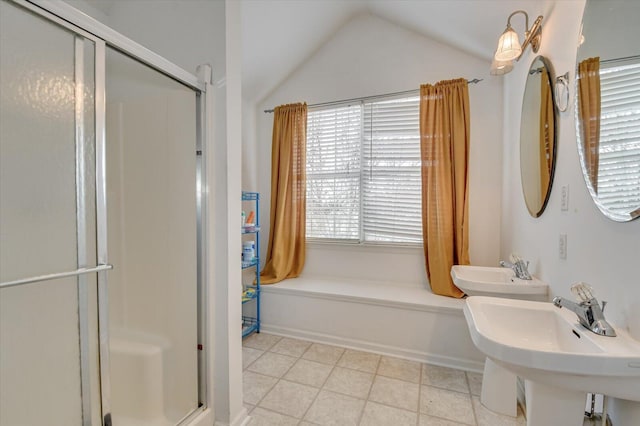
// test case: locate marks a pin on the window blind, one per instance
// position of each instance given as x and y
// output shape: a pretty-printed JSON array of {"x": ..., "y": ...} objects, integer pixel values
[
  {"x": 363, "y": 172},
  {"x": 333, "y": 173},
  {"x": 619, "y": 164},
  {"x": 391, "y": 177}
]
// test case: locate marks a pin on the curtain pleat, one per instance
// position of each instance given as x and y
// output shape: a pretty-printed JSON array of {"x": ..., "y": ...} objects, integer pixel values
[
  {"x": 286, "y": 249},
  {"x": 589, "y": 110},
  {"x": 444, "y": 147}
]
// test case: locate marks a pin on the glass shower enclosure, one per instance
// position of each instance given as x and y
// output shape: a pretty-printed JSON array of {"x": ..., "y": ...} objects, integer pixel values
[{"x": 99, "y": 287}]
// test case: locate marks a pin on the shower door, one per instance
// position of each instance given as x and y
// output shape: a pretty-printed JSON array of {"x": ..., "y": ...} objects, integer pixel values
[
  {"x": 49, "y": 352},
  {"x": 152, "y": 240}
]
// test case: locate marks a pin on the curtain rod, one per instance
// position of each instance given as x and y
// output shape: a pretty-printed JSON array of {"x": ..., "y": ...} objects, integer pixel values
[
  {"x": 623, "y": 59},
  {"x": 365, "y": 98}
]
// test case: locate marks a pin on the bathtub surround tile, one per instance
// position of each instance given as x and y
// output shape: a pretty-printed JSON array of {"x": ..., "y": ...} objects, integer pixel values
[
  {"x": 394, "y": 392},
  {"x": 323, "y": 353},
  {"x": 349, "y": 382},
  {"x": 487, "y": 417},
  {"x": 446, "y": 404},
  {"x": 436, "y": 421},
  {"x": 255, "y": 386},
  {"x": 361, "y": 361},
  {"x": 262, "y": 417},
  {"x": 382, "y": 415},
  {"x": 289, "y": 398},
  {"x": 309, "y": 373},
  {"x": 400, "y": 369},
  {"x": 291, "y": 347},
  {"x": 475, "y": 383},
  {"x": 444, "y": 377},
  {"x": 249, "y": 355},
  {"x": 331, "y": 408},
  {"x": 262, "y": 341},
  {"x": 272, "y": 364}
]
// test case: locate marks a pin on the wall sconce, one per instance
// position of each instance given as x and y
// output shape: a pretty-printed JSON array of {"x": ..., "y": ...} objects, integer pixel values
[{"x": 509, "y": 47}]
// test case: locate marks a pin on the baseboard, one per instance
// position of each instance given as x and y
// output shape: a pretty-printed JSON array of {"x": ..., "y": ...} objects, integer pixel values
[
  {"x": 242, "y": 419},
  {"x": 419, "y": 356}
]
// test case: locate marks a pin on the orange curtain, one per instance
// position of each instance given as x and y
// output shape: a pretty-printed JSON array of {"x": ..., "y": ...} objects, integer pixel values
[
  {"x": 286, "y": 249},
  {"x": 547, "y": 131},
  {"x": 444, "y": 147},
  {"x": 589, "y": 110}
]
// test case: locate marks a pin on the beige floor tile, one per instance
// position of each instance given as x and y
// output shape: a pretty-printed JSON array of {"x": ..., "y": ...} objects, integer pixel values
[
  {"x": 394, "y": 392},
  {"x": 309, "y": 373},
  {"x": 382, "y": 415},
  {"x": 436, "y": 421},
  {"x": 262, "y": 341},
  {"x": 304, "y": 423},
  {"x": 291, "y": 347},
  {"x": 401, "y": 369},
  {"x": 331, "y": 408},
  {"x": 487, "y": 417},
  {"x": 255, "y": 386},
  {"x": 445, "y": 378},
  {"x": 446, "y": 404},
  {"x": 291, "y": 399},
  {"x": 323, "y": 353},
  {"x": 249, "y": 355},
  {"x": 361, "y": 361},
  {"x": 475, "y": 383},
  {"x": 262, "y": 417},
  {"x": 272, "y": 364},
  {"x": 349, "y": 382},
  {"x": 249, "y": 407}
]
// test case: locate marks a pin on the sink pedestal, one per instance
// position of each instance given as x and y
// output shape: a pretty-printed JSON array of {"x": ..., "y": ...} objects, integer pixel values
[
  {"x": 551, "y": 406},
  {"x": 499, "y": 389}
]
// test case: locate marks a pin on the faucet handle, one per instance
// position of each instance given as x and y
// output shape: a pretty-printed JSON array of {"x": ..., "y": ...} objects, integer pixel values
[
  {"x": 582, "y": 291},
  {"x": 604, "y": 303}
]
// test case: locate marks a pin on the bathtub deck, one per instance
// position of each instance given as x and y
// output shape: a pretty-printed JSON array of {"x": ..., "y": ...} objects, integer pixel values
[{"x": 405, "y": 321}]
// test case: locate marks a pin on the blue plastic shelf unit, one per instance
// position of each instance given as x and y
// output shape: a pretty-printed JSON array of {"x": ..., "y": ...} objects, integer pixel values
[{"x": 251, "y": 292}]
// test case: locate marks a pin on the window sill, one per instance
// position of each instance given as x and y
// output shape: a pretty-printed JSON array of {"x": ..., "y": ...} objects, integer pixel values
[{"x": 372, "y": 247}]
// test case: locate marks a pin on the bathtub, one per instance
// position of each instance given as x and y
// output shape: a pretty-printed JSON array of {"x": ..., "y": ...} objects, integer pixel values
[
  {"x": 137, "y": 379},
  {"x": 389, "y": 318}
]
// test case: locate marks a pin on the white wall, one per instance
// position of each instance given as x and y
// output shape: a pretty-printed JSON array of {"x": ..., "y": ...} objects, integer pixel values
[
  {"x": 600, "y": 252},
  {"x": 370, "y": 56}
]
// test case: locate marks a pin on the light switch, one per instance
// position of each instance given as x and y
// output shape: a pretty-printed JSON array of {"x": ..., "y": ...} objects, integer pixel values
[
  {"x": 562, "y": 246},
  {"x": 564, "y": 198}
]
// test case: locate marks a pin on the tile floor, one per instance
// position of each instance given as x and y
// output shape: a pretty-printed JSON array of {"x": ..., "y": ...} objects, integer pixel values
[{"x": 295, "y": 382}]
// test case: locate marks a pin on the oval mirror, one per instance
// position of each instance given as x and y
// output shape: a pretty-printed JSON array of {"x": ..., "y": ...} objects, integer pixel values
[
  {"x": 538, "y": 136},
  {"x": 608, "y": 106}
]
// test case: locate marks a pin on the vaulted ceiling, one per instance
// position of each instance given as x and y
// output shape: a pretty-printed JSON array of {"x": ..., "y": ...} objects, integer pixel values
[{"x": 279, "y": 35}]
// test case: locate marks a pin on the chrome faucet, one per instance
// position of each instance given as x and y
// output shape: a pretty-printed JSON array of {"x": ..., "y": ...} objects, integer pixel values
[
  {"x": 589, "y": 312},
  {"x": 519, "y": 266}
]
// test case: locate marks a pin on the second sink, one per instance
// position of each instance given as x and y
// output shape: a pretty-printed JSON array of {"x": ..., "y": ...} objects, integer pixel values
[{"x": 497, "y": 282}]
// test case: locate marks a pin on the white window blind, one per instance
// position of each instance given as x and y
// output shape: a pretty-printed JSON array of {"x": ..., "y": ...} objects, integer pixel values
[
  {"x": 619, "y": 164},
  {"x": 363, "y": 172},
  {"x": 333, "y": 173},
  {"x": 391, "y": 177}
]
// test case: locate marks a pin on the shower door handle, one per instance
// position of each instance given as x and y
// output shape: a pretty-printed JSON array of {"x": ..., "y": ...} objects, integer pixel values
[{"x": 79, "y": 271}]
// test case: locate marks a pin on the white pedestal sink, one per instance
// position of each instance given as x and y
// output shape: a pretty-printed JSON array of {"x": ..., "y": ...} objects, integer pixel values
[
  {"x": 560, "y": 360},
  {"x": 499, "y": 386},
  {"x": 497, "y": 282}
]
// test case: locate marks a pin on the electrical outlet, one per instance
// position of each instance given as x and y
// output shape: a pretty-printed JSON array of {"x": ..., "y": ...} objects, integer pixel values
[
  {"x": 562, "y": 247},
  {"x": 564, "y": 198}
]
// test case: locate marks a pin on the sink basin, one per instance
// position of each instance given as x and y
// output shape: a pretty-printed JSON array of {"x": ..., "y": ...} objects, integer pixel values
[
  {"x": 497, "y": 282},
  {"x": 547, "y": 345}
]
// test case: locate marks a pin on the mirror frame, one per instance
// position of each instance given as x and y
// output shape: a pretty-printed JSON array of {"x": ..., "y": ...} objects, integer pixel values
[{"x": 551, "y": 77}]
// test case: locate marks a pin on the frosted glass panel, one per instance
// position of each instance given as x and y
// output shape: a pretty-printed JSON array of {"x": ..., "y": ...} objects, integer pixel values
[
  {"x": 151, "y": 198},
  {"x": 40, "y": 113}
]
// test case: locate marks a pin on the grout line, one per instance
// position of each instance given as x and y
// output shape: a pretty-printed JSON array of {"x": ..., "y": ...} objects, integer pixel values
[
  {"x": 373, "y": 382},
  {"x": 473, "y": 407},
  {"x": 422, "y": 366}
]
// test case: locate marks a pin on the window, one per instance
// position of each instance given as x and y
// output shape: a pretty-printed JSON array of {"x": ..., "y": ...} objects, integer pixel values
[
  {"x": 363, "y": 172},
  {"x": 619, "y": 163}
]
